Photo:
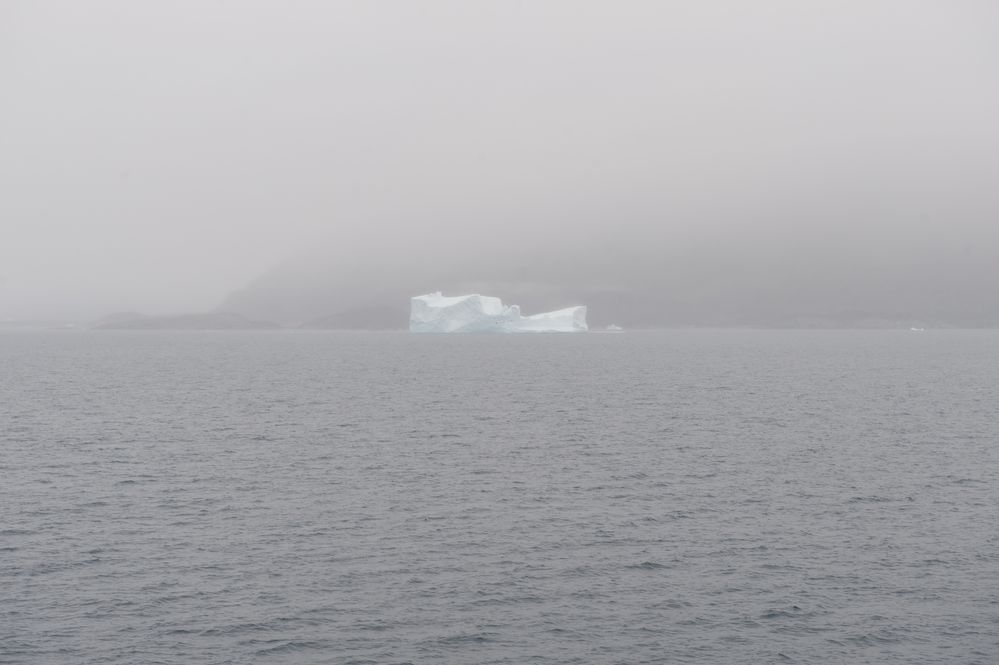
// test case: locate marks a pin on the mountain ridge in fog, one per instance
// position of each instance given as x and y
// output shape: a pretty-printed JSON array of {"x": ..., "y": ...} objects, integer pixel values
[
  {"x": 711, "y": 163},
  {"x": 726, "y": 282}
]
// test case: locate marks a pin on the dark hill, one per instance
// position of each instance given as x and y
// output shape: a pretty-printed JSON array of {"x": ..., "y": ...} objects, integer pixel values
[{"x": 199, "y": 321}]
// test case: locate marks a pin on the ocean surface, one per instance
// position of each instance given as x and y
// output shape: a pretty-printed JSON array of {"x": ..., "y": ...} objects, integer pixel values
[{"x": 719, "y": 496}]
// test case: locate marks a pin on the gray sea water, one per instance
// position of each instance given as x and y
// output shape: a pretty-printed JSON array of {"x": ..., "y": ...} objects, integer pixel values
[{"x": 661, "y": 497}]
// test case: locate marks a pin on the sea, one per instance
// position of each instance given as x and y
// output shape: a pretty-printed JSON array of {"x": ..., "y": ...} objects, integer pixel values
[{"x": 680, "y": 496}]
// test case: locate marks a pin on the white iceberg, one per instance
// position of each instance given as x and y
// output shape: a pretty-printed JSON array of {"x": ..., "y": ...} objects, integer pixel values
[{"x": 436, "y": 313}]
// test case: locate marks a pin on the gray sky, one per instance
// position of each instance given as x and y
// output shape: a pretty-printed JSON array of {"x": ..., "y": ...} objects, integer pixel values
[{"x": 158, "y": 155}]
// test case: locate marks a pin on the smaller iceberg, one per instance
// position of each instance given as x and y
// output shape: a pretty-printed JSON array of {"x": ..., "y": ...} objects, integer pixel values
[{"x": 437, "y": 313}]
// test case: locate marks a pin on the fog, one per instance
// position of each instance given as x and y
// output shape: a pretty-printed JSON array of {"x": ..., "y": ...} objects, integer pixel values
[{"x": 163, "y": 156}]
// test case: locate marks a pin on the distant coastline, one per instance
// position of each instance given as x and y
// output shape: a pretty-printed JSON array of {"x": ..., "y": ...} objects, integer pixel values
[{"x": 199, "y": 321}]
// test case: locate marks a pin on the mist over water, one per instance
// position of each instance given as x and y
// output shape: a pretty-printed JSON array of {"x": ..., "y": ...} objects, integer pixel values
[
  {"x": 740, "y": 164},
  {"x": 688, "y": 496}
]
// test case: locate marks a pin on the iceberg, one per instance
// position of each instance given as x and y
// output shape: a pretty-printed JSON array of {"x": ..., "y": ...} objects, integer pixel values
[{"x": 437, "y": 313}]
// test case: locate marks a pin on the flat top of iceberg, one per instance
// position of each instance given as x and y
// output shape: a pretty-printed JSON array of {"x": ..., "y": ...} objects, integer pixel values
[{"x": 489, "y": 304}]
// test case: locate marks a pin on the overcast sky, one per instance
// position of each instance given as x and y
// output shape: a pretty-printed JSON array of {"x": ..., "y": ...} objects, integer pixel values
[{"x": 157, "y": 155}]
